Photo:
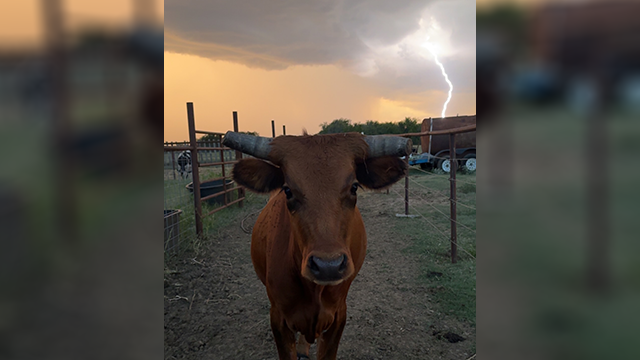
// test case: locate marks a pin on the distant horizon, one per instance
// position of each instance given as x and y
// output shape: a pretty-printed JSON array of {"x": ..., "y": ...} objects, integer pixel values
[{"x": 279, "y": 128}]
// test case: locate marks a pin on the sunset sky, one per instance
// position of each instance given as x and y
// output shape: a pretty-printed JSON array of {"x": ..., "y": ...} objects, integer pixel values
[{"x": 305, "y": 63}]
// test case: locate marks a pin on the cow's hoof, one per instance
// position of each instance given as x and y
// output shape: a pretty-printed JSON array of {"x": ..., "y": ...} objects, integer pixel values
[{"x": 302, "y": 356}]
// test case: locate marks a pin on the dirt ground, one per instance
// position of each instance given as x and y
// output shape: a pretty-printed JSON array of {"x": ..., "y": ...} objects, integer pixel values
[{"x": 216, "y": 308}]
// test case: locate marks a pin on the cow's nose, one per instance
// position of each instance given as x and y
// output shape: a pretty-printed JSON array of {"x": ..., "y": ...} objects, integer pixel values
[{"x": 328, "y": 269}]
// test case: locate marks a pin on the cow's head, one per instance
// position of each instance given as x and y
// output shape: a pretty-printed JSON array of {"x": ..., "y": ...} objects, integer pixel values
[{"x": 319, "y": 176}]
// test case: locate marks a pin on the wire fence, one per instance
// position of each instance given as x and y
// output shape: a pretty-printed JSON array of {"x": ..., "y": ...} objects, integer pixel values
[
  {"x": 185, "y": 203},
  {"x": 179, "y": 209},
  {"x": 442, "y": 193},
  {"x": 197, "y": 184},
  {"x": 423, "y": 201}
]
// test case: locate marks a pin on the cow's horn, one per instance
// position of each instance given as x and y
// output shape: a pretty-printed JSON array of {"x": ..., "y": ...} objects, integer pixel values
[
  {"x": 257, "y": 146},
  {"x": 385, "y": 145}
]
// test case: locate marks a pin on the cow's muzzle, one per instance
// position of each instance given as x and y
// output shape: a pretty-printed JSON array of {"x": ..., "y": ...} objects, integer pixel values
[{"x": 328, "y": 271}]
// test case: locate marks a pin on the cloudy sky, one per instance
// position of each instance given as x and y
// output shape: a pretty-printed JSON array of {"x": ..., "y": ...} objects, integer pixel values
[{"x": 302, "y": 63}]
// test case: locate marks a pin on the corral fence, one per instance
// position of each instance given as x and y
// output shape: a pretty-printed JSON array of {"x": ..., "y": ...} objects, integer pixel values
[
  {"x": 452, "y": 182},
  {"x": 183, "y": 213},
  {"x": 216, "y": 189}
]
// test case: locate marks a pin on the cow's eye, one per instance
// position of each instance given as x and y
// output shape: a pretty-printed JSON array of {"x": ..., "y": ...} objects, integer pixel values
[
  {"x": 287, "y": 192},
  {"x": 354, "y": 188}
]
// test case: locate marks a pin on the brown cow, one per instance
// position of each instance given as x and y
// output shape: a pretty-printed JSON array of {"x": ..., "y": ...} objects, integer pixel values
[{"x": 309, "y": 242}]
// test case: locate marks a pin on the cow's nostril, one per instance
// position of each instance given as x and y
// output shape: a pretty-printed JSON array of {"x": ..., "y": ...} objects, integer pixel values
[
  {"x": 313, "y": 266},
  {"x": 343, "y": 265},
  {"x": 328, "y": 270}
]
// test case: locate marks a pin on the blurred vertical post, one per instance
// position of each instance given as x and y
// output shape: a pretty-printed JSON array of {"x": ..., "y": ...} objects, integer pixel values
[
  {"x": 284, "y": 130},
  {"x": 194, "y": 168},
  {"x": 144, "y": 12},
  {"x": 452, "y": 178},
  {"x": 273, "y": 128},
  {"x": 597, "y": 150},
  {"x": 238, "y": 155},
  {"x": 60, "y": 118}
]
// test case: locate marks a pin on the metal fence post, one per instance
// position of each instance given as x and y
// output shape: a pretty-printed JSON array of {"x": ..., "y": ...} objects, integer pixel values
[
  {"x": 224, "y": 178},
  {"x": 273, "y": 128},
  {"x": 194, "y": 168},
  {"x": 284, "y": 130},
  {"x": 406, "y": 188},
  {"x": 452, "y": 178},
  {"x": 238, "y": 156},
  {"x": 173, "y": 163}
]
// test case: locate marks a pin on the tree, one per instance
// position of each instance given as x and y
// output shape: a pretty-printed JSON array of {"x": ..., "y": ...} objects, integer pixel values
[
  {"x": 411, "y": 125},
  {"x": 370, "y": 127},
  {"x": 216, "y": 138},
  {"x": 337, "y": 126}
]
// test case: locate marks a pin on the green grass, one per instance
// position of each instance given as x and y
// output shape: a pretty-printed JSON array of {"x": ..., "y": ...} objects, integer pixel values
[
  {"x": 176, "y": 196},
  {"x": 543, "y": 233},
  {"x": 453, "y": 286}
]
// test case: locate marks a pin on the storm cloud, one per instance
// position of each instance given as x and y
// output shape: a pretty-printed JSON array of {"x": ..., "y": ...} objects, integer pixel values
[{"x": 380, "y": 39}]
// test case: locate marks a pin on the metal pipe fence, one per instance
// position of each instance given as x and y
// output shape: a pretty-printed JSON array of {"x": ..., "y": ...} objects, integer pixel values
[
  {"x": 453, "y": 237},
  {"x": 211, "y": 161},
  {"x": 197, "y": 188}
]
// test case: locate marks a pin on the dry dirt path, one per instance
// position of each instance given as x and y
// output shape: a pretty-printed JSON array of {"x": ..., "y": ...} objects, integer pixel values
[{"x": 216, "y": 308}]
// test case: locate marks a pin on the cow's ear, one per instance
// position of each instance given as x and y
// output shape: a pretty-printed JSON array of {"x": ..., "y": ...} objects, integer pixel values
[
  {"x": 380, "y": 172},
  {"x": 258, "y": 175}
]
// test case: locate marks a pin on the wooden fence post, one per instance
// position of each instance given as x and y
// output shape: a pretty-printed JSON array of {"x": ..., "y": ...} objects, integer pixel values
[{"x": 194, "y": 168}]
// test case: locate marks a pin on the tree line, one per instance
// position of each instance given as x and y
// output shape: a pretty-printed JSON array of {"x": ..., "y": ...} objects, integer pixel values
[
  {"x": 342, "y": 125},
  {"x": 215, "y": 138}
]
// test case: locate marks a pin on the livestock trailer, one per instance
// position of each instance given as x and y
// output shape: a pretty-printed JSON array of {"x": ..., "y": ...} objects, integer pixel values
[{"x": 436, "y": 155}]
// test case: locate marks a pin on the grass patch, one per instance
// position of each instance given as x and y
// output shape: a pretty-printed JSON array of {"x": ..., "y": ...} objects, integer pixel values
[
  {"x": 177, "y": 197},
  {"x": 453, "y": 286},
  {"x": 467, "y": 188}
]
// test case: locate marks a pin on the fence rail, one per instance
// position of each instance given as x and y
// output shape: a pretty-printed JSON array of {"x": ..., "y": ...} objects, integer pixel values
[
  {"x": 204, "y": 154},
  {"x": 452, "y": 180},
  {"x": 211, "y": 154}
]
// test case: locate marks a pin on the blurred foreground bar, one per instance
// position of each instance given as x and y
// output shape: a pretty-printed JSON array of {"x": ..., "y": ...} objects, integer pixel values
[
  {"x": 559, "y": 97},
  {"x": 81, "y": 113}
]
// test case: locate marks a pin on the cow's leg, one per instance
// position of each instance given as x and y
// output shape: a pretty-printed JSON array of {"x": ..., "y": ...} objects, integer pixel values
[
  {"x": 302, "y": 348},
  {"x": 329, "y": 340},
  {"x": 284, "y": 337}
]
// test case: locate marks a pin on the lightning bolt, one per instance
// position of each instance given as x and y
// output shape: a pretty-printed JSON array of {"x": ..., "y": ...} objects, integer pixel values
[{"x": 446, "y": 78}]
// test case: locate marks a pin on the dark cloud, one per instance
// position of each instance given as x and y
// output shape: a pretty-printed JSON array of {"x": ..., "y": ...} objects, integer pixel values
[
  {"x": 275, "y": 34},
  {"x": 374, "y": 38}
]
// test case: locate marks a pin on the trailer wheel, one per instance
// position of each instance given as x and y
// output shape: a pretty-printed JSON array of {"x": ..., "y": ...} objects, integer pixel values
[
  {"x": 469, "y": 162},
  {"x": 444, "y": 165}
]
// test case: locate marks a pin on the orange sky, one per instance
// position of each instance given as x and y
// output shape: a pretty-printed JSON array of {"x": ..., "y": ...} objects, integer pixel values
[
  {"x": 298, "y": 97},
  {"x": 245, "y": 59}
]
